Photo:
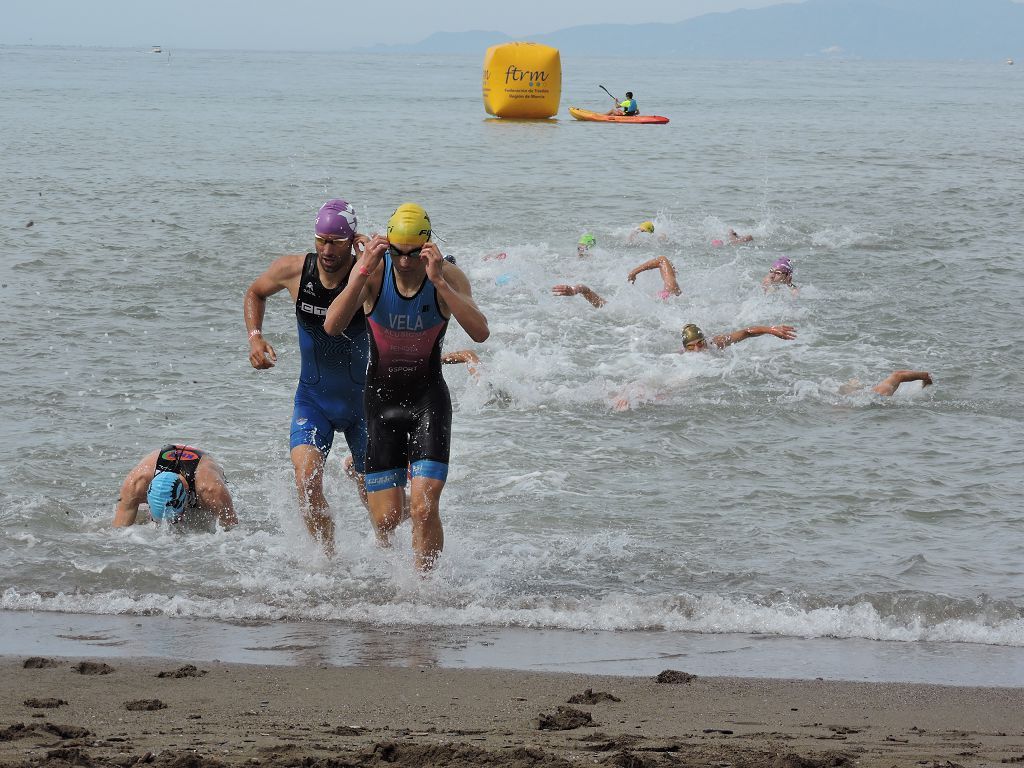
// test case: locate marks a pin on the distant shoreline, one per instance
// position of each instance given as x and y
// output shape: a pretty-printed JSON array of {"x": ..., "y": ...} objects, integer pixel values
[{"x": 477, "y": 56}]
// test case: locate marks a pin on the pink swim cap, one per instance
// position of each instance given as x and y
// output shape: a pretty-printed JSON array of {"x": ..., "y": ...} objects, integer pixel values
[
  {"x": 337, "y": 218},
  {"x": 783, "y": 265},
  {"x": 716, "y": 243}
]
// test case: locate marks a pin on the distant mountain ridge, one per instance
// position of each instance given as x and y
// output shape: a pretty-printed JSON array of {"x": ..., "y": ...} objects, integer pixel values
[{"x": 866, "y": 29}]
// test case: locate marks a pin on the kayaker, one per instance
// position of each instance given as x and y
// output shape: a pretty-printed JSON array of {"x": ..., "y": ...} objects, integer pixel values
[{"x": 627, "y": 107}]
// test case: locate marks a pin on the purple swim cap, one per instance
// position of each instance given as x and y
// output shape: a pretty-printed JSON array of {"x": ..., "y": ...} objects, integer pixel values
[
  {"x": 337, "y": 218},
  {"x": 783, "y": 265}
]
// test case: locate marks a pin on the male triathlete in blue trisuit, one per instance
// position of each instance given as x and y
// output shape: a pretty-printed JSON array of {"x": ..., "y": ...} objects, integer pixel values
[
  {"x": 408, "y": 292},
  {"x": 329, "y": 397}
]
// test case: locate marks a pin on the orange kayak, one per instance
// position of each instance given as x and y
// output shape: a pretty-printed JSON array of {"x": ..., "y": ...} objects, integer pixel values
[{"x": 597, "y": 117}]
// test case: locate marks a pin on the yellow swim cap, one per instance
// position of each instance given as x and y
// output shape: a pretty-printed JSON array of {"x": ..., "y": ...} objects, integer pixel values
[
  {"x": 647, "y": 226},
  {"x": 409, "y": 225}
]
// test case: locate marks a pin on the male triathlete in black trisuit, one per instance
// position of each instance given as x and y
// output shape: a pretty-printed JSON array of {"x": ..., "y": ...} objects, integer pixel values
[{"x": 408, "y": 292}]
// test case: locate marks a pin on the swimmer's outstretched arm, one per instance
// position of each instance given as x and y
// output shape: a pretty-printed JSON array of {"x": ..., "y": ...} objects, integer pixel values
[
  {"x": 467, "y": 356},
  {"x": 579, "y": 290},
  {"x": 363, "y": 283},
  {"x": 668, "y": 273},
  {"x": 455, "y": 293},
  {"x": 784, "y": 332},
  {"x": 891, "y": 383}
]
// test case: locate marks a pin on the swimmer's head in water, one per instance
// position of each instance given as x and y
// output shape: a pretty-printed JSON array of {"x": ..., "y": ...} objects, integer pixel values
[
  {"x": 336, "y": 219},
  {"x": 853, "y": 385},
  {"x": 647, "y": 226},
  {"x": 587, "y": 240},
  {"x": 782, "y": 266},
  {"x": 166, "y": 496},
  {"x": 409, "y": 225},
  {"x": 693, "y": 338}
]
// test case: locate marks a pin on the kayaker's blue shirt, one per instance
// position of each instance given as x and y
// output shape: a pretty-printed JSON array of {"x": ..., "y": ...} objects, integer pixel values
[{"x": 629, "y": 106}]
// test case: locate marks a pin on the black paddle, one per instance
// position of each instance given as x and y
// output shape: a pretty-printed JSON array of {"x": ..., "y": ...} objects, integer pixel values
[{"x": 609, "y": 93}]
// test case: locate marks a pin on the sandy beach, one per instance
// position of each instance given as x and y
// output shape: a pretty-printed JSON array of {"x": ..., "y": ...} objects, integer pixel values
[{"x": 62, "y": 711}]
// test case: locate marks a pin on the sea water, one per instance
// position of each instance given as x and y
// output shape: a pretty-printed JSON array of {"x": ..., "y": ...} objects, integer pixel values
[{"x": 599, "y": 480}]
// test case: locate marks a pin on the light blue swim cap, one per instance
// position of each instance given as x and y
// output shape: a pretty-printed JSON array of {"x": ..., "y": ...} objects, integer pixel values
[{"x": 167, "y": 496}]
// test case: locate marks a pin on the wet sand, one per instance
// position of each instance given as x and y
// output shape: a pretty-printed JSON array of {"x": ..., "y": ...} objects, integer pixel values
[
  {"x": 122, "y": 712},
  {"x": 631, "y": 654}
]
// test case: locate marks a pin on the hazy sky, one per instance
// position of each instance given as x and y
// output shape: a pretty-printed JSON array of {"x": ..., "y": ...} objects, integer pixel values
[{"x": 316, "y": 24}]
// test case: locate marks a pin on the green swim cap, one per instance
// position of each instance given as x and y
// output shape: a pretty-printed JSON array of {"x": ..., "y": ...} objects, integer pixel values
[
  {"x": 588, "y": 240},
  {"x": 691, "y": 334}
]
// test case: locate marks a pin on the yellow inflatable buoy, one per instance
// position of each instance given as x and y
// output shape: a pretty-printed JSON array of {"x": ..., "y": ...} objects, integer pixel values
[{"x": 522, "y": 80}]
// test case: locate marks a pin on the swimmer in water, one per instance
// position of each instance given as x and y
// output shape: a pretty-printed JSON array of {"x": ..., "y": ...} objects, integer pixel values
[
  {"x": 408, "y": 293},
  {"x": 467, "y": 356},
  {"x": 329, "y": 396},
  {"x": 735, "y": 239},
  {"x": 642, "y": 229},
  {"x": 670, "y": 286},
  {"x": 887, "y": 387},
  {"x": 586, "y": 242},
  {"x": 694, "y": 339},
  {"x": 177, "y": 481},
  {"x": 781, "y": 273},
  {"x": 579, "y": 290}
]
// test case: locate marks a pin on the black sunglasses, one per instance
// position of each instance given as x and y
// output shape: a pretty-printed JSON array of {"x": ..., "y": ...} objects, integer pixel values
[{"x": 394, "y": 253}]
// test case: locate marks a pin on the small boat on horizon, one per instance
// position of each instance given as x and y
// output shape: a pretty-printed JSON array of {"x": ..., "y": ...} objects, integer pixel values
[
  {"x": 156, "y": 49},
  {"x": 1009, "y": 61}
]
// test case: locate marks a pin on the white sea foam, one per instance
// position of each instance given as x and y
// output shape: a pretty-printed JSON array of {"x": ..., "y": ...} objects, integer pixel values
[{"x": 686, "y": 613}]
